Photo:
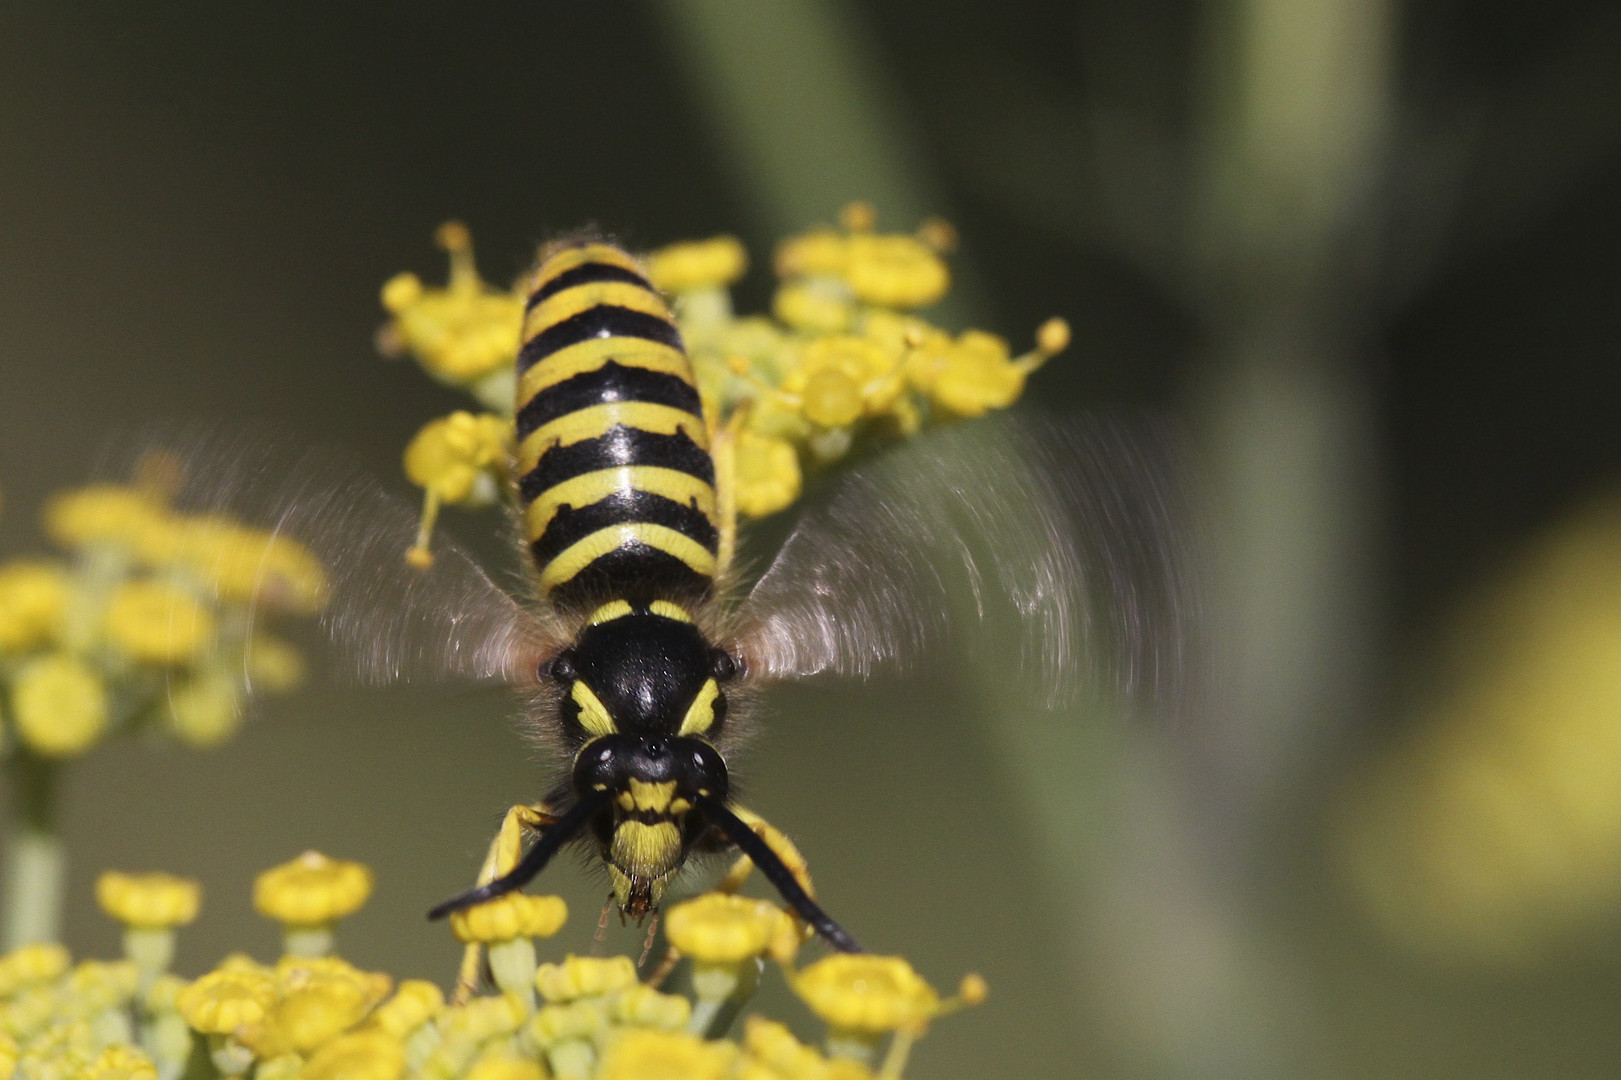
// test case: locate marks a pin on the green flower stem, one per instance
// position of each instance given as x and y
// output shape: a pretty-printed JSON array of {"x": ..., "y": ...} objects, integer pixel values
[{"x": 36, "y": 862}]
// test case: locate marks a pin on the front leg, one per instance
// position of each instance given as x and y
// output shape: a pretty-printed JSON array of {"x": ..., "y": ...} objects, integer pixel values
[{"x": 504, "y": 854}]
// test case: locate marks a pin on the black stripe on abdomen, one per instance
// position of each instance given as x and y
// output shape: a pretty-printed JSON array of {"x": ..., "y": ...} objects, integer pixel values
[
  {"x": 634, "y": 571},
  {"x": 618, "y": 447},
  {"x": 603, "y": 320},
  {"x": 573, "y": 523},
  {"x": 589, "y": 273},
  {"x": 613, "y": 381}
]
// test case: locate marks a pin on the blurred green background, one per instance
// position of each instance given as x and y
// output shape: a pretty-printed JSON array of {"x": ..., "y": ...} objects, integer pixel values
[{"x": 1368, "y": 253}]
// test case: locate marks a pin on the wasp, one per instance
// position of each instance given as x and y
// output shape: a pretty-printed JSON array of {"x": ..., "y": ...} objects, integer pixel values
[{"x": 637, "y": 651}]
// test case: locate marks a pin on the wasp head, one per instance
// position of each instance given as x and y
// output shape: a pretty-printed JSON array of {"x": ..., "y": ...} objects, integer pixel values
[{"x": 642, "y": 694}]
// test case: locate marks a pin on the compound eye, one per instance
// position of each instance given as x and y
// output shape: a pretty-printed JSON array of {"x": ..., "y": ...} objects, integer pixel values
[
  {"x": 722, "y": 665},
  {"x": 561, "y": 668}
]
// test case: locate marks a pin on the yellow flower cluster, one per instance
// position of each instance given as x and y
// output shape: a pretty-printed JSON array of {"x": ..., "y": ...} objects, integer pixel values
[
  {"x": 1495, "y": 831},
  {"x": 144, "y": 625},
  {"x": 318, "y": 1017},
  {"x": 842, "y": 359}
]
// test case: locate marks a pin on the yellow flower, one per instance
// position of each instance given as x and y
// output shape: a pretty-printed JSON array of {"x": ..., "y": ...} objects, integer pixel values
[
  {"x": 462, "y": 332},
  {"x": 584, "y": 976},
  {"x": 773, "y": 1046},
  {"x": 841, "y": 377},
  {"x": 974, "y": 373},
  {"x": 368, "y": 1054},
  {"x": 505, "y": 1067},
  {"x": 119, "y": 1063},
  {"x": 205, "y": 709},
  {"x": 815, "y": 305},
  {"x": 311, "y": 890},
  {"x": 148, "y": 900},
  {"x": 102, "y": 514},
  {"x": 32, "y": 598},
  {"x": 8, "y": 1055},
  {"x": 415, "y": 1003},
  {"x": 643, "y": 1006},
  {"x": 226, "y": 999},
  {"x": 697, "y": 264},
  {"x": 510, "y": 916},
  {"x": 895, "y": 271},
  {"x": 273, "y": 664},
  {"x": 820, "y": 252},
  {"x": 724, "y": 929},
  {"x": 451, "y": 454},
  {"x": 768, "y": 474},
  {"x": 665, "y": 1055},
  {"x": 866, "y": 993},
  {"x": 30, "y": 966},
  {"x": 318, "y": 999},
  {"x": 243, "y": 563},
  {"x": 59, "y": 705},
  {"x": 94, "y": 985},
  {"x": 157, "y": 622}
]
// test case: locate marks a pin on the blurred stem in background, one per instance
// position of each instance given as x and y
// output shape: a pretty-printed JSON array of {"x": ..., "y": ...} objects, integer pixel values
[
  {"x": 35, "y": 860},
  {"x": 1279, "y": 178}
]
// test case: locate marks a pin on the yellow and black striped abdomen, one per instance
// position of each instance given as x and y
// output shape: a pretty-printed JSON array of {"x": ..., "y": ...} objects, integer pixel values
[{"x": 614, "y": 472}]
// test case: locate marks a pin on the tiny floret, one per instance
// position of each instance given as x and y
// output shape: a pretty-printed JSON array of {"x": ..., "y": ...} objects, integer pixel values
[
  {"x": 718, "y": 928},
  {"x": 119, "y": 1063},
  {"x": 59, "y": 704},
  {"x": 697, "y": 264},
  {"x": 33, "y": 596},
  {"x": 511, "y": 916},
  {"x": 226, "y": 999},
  {"x": 311, "y": 890},
  {"x": 584, "y": 976},
  {"x": 369, "y": 1054},
  {"x": 665, "y": 1055},
  {"x": 148, "y": 900},
  {"x": 415, "y": 1003},
  {"x": 866, "y": 993},
  {"x": 31, "y": 965},
  {"x": 157, "y": 622}
]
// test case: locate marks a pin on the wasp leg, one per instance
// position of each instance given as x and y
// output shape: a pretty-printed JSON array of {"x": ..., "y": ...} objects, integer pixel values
[
  {"x": 503, "y": 855},
  {"x": 766, "y": 847}
]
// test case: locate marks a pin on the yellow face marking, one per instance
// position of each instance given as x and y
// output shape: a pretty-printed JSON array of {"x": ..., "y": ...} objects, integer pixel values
[
  {"x": 570, "y": 302},
  {"x": 594, "y": 716},
  {"x": 568, "y": 258},
  {"x": 614, "y": 609},
  {"x": 701, "y": 713},
  {"x": 669, "y": 610},
  {"x": 590, "y": 487},
  {"x": 646, "y": 851},
  {"x": 653, "y": 797},
  {"x": 596, "y": 420},
  {"x": 577, "y": 556},
  {"x": 593, "y": 353}
]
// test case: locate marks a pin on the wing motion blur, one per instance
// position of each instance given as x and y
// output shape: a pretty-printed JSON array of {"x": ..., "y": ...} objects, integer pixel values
[
  {"x": 1075, "y": 535},
  {"x": 389, "y": 621}
]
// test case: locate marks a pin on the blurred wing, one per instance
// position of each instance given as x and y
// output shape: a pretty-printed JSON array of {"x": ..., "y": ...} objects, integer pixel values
[
  {"x": 1070, "y": 538},
  {"x": 387, "y": 620}
]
